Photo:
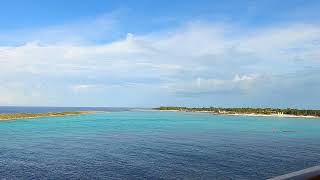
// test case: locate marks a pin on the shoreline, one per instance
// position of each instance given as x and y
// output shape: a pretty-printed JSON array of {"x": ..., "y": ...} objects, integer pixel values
[
  {"x": 244, "y": 114},
  {"x": 28, "y": 116}
]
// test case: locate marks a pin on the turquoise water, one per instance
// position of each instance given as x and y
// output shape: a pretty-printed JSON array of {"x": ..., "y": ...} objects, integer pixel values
[{"x": 157, "y": 145}]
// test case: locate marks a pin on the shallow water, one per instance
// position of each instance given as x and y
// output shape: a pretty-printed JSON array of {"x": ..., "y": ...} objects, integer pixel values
[{"x": 157, "y": 145}]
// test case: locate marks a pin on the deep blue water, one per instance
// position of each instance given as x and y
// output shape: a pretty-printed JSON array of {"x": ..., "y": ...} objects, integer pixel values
[{"x": 157, "y": 145}]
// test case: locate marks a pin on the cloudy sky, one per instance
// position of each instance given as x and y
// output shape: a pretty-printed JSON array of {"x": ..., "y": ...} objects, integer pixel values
[{"x": 143, "y": 53}]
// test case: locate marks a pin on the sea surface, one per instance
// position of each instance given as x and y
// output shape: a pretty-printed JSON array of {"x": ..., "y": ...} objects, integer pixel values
[{"x": 157, "y": 145}]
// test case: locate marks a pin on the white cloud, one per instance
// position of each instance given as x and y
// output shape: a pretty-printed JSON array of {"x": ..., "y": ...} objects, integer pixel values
[
  {"x": 85, "y": 88},
  {"x": 239, "y": 84},
  {"x": 282, "y": 43},
  {"x": 83, "y": 31},
  {"x": 81, "y": 87},
  {"x": 226, "y": 60}
]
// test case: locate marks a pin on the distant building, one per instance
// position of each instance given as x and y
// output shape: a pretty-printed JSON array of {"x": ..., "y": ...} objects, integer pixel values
[{"x": 280, "y": 114}]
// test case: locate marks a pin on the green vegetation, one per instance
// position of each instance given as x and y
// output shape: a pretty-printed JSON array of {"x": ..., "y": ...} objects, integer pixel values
[
  {"x": 266, "y": 111},
  {"x": 39, "y": 115}
]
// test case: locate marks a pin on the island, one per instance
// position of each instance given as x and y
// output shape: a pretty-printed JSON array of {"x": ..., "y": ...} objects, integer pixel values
[
  {"x": 16, "y": 116},
  {"x": 288, "y": 112}
]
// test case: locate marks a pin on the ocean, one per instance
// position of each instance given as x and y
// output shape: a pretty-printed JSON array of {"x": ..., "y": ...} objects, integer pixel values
[{"x": 126, "y": 144}]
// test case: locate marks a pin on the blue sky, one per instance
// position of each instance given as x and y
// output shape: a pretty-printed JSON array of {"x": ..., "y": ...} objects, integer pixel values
[{"x": 152, "y": 53}]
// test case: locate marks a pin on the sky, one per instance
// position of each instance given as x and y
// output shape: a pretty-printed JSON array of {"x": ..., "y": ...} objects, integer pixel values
[{"x": 141, "y": 53}]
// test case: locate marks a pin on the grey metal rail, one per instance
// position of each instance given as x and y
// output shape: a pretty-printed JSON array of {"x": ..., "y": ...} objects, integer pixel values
[{"x": 304, "y": 174}]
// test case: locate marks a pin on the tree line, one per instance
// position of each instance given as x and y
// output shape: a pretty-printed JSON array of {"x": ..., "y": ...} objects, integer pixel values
[{"x": 288, "y": 111}]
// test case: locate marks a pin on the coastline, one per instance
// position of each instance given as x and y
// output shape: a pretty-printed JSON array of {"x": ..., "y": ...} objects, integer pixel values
[
  {"x": 245, "y": 114},
  {"x": 25, "y": 116}
]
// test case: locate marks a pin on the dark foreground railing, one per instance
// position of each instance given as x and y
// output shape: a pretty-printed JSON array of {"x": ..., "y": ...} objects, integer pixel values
[{"x": 312, "y": 173}]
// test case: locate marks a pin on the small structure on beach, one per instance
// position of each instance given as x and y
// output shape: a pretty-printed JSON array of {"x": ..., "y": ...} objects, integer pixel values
[{"x": 280, "y": 114}]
